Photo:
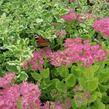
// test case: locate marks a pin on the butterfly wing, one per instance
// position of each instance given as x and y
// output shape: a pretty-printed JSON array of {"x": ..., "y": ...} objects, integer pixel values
[{"x": 42, "y": 42}]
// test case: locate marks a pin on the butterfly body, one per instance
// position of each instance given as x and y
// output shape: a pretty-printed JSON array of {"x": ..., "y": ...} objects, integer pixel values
[{"x": 42, "y": 42}]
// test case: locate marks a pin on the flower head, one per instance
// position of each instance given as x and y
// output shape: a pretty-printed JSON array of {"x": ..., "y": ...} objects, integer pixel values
[
  {"x": 36, "y": 62},
  {"x": 27, "y": 93},
  {"x": 7, "y": 79},
  {"x": 30, "y": 95},
  {"x": 78, "y": 50},
  {"x": 70, "y": 16},
  {"x": 102, "y": 26}
]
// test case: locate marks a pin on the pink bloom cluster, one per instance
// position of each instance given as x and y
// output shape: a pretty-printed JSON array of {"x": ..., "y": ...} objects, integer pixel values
[
  {"x": 27, "y": 94},
  {"x": 78, "y": 50},
  {"x": 102, "y": 26},
  {"x": 37, "y": 61},
  {"x": 30, "y": 96},
  {"x": 70, "y": 16},
  {"x": 75, "y": 50},
  {"x": 7, "y": 79}
]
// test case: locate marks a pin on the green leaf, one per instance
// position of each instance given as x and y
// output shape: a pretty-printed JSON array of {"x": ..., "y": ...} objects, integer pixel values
[
  {"x": 74, "y": 104},
  {"x": 19, "y": 103},
  {"x": 77, "y": 70},
  {"x": 89, "y": 72},
  {"x": 36, "y": 76},
  {"x": 105, "y": 99},
  {"x": 89, "y": 84},
  {"x": 70, "y": 81},
  {"x": 104, "y": 75},
  {"x": 63, "y": 71},
  {"x": 99, "y": 105},
  {"x": 95, "y": 95},
  {"x": 23, "y": 76},
  {"x": 45, "y": 73},
  {"x": 107, "y": 106},
  {"x": 39, "y": 20},
  {"x": 83, "y": 107},
  {"x": 60, "y": 86},
  {"x": 44, "y": 84},
  {"x": 11, "y": 68}
]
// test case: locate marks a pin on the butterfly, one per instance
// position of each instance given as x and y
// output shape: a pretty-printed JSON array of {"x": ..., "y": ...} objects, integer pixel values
[{"x": 41, "y": 42}]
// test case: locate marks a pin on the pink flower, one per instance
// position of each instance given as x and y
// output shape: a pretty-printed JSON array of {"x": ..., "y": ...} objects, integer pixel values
[
  {"x": 87, "y": 61},
  {"x": 9, "y": 98},
  {"x": 67, "y": 103},
  {"x": 78, "y": 50},
  {"x": 58, "y": 106},
  {"x": 56, "y": 58},
  {"x": 102, "y": 26},
  {"x": 75, "y": 50},
  {"x": 70, "y": 16},
  {"x": 79, "y": 18},
  {"x": 29, "y": 98},
  {"x": 27, "y": 93},
  {"x": 30, "y": 95},
  {"x": 46, "y": 105},
  {"x": 71, "y": 41},
  {"x": 7, "y": 79},
  {"x": 45, "y": 52},
  {"x": 37, "y": 61},
  {"x": 100, "y": 55}
]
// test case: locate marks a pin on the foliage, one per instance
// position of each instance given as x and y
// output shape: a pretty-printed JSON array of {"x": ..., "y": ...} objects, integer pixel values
[{"x": 87, "y": 87}]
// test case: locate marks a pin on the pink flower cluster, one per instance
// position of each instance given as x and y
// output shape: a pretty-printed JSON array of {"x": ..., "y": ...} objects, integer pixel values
[
  {"x": 6, "y": 81},
  {"x": 102, "y": 26},
  {"x": 78, "y": 50},
  {"x": 75, "y": 50},
  {"x": 70, "y": 16},
  {"x": 37, "y": 61},
  {"x": 27, "y": 94}
]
